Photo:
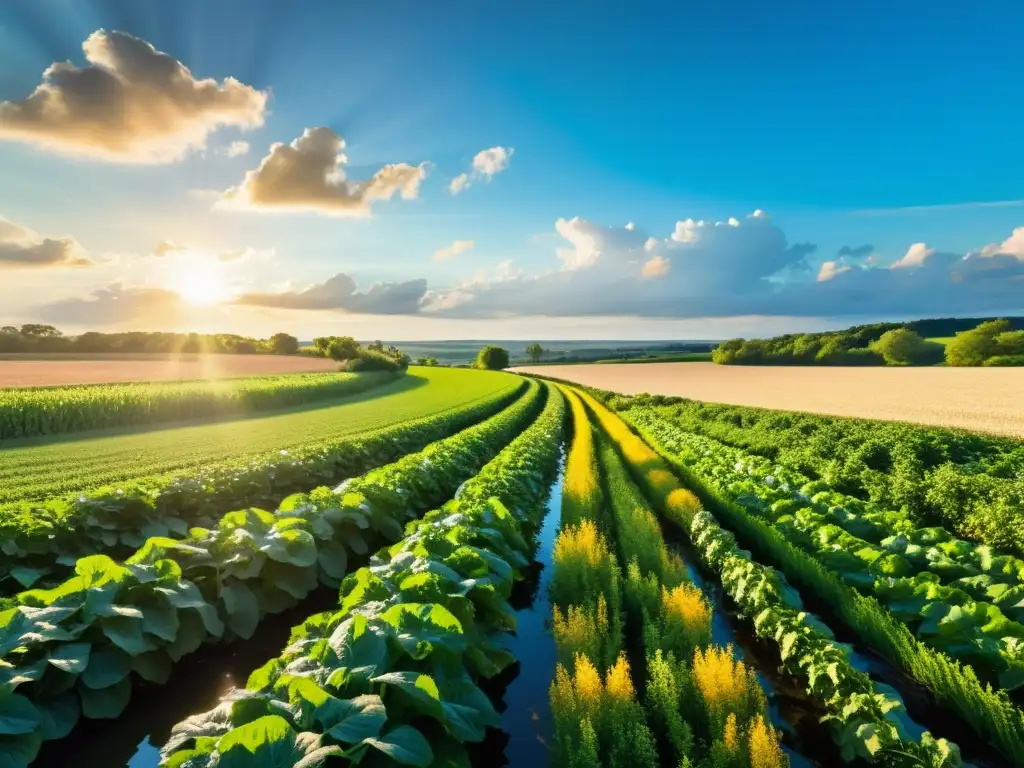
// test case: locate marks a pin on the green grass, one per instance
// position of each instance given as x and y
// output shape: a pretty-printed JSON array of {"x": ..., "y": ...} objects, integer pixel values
[
  {"x": 36, "y": 470},
  {"x": 943, "y": 340}
]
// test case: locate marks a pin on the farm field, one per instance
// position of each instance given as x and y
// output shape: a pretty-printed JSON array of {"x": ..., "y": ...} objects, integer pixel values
[
  {"x": 18, "y": 370},
  {"x": 949, "y": 397},
  {"x": 539, "y": 573},
  {"x": 42, "y": 467}
]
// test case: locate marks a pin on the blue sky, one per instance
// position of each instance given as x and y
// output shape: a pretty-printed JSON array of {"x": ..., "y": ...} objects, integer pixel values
[{"x": 883, "y": 125}]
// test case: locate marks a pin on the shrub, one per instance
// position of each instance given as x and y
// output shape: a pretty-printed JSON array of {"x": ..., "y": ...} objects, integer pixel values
[
  {"x": 367, "y": 360},
  {"x": 904, "y": 347},
  {"x": 1004, "y": 361},
  {"x": 492, "y": 358}
]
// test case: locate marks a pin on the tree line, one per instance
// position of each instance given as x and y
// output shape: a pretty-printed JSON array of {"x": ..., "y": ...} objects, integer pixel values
[
  {"x": 34, "y": 337},
  {"x": 985, "y": 343}
]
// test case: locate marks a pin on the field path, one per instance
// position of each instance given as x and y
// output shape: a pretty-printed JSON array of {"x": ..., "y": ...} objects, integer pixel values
[
  {"x": 981, "y": 399},
  {"x": 20, "y": 371}
]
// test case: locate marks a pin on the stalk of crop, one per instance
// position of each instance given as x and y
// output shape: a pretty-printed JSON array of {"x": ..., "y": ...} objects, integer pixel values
[
  {"x": 706, "y": 706},
  {"x": 394, "y": 670},
  {"x": 989, "y": 712},
  {"x": 857, "y": 713},
  {"x": 56, "y": 410},
  {"x": 72, "y": 649},
  {"x": 42, "y": 540}
]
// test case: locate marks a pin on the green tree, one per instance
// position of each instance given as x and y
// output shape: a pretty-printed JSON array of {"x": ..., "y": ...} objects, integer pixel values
[
  {"x": 492, "y": 358},
  {"x": 40, "y": 331},
  {"x": 284, "y": 344},
  {"x": 427, "y": 361},
  {"x": 904, "y": 347},
  {"x": 343, "y": 348},
  {"x": 535, "y": 352},
  {"x": 974, "y": 347},
  {"x": 1010, "y": 343}
]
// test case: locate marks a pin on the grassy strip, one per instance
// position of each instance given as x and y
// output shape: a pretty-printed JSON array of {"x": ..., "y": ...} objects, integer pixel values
[
  {"x": 700, "y": 706},
  {"x": 43, "y": 539},
  {"x": 989, "y": 712},
  {"x": 857, "y": 714},
  {"x": 71, "y": 649},
  {"x": 393, "y": 672},
  {"x": 43, "y": 469},
  {"x": 56, "y": 410},
  {"x": 950, "y": 593}
]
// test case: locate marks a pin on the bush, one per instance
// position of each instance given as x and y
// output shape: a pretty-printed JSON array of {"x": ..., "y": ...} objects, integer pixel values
[
  {"x": 492, "y": 358},
  {"x": 339, "y": 347},
  {"x": 999, "y": 361},
  {"x": 904, "y": 347},
  {"x": 284, "y": 344},
  {"x": 368, "y": 360},
  {"x": 975, "y": 347}
]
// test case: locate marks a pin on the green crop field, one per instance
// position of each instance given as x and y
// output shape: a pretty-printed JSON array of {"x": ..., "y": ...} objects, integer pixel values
[
  {"x": 695, "y": 585},
  {"x": 36, "y": 469}
]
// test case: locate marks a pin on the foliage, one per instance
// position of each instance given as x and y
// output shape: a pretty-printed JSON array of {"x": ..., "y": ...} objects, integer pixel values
[
  {"x": 904, "y": 347},
  {"x": 426, "y": 361},
  {"x": 171, "y": 596},
  {"x": 283, "y": 344},
  {"x": 989, "y": 712},
  {"x": 40, "y": 541},
  {"x": 994, "y": 339},
  {"x": 492, "y": 358},
  {"x": 48, "y": 339},
  {"x": 39, "y": 411},
  {"x": 535, "y": 352},
  {"x": 395, "y": 669}
]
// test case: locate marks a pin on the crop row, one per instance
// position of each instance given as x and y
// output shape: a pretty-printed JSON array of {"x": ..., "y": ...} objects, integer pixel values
[
  {"x": 73, "y": 648},
  {"x": 44, "y": 539},
  {"x": 51, "y": 468},
  {"x": 957, "y": 597},
  {"x": 971, "y": 483},
  {"x": 988, "y": 712},
  {"x": 860, "y": 717},
  {"x": 697, "y": 705},
  {"x": 393, "y": 672},
  {"x": 56, "y": 410}
]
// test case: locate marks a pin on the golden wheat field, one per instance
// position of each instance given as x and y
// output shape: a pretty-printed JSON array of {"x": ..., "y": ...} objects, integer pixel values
[
  {"x": 983, "y": 399},
  {"x": 56, "y": 370}
]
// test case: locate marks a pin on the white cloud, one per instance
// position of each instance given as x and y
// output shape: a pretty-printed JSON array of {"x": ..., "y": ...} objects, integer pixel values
[
  {"x": 167, "y": 247},
  {"x": 237, "y": 149},
  {"x": 832, "y": 269},
  {"x": 117, "y": 304},
  {"x": 658, "y": 266},
  {"x": 308, "y": 175},
  {"x": 486, "y": 165},
  {"x": 130, "y": 104},
  {"x": 22, "y": 248},
  {"x": 915, "y": 256},
  {"x": 453, "y": 250},
  {"x": 339, "y": 293}
]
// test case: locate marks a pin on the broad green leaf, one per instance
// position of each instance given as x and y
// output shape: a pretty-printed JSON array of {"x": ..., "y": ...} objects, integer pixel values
[
  {"x": 333, "y": 559},
  {"x": 268, "y": 742},
  {"x": 106, "y": 703},
  {"x": 352, "y": 720},
  {"x": 243, "y": 609},
  {"x": 17, "y": 714},
  {"x": 27, "y": 576},
  {"x": 154, "y": 666},
  {"x": 319, "y": 756},
  {"x": 19, "y": 751},
  {"x": 58, "y": 716},
  {"x": 421, "y": 688},
  {"x": 71, "y": 657},
  {"x": 106, "y": 667},
  {"x": 126, "y": 634},
  {"x": 405, "y": 745},
  {"x": 361, "y": 648},
  {"x": 191, "y": 634},
  {"x": 161, "y": 621}
]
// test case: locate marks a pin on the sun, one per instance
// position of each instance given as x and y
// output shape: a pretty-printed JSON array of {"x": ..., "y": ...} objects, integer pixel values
[{"x": 202, "y": 286}]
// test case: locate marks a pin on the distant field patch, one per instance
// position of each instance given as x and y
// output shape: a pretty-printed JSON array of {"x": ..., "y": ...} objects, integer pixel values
[
  {"x": 56, "y": 370},
  {"x": 37, "y": 469},
  {"x": 943, "y": 340},
  {"x": 982, "y": 399}
]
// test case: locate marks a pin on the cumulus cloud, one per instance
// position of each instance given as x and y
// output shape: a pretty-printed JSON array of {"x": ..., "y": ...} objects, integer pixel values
[
  {"x": 735, "y": 267},
  {"x": 130, "y": 104},
  {"x": 308, "y": 175},
  {"x": 339, "y": 293},
  {"x": 1013, "y": 245},
  {"x": 116, "y": 304},
  {"x": 486, "y": 165},
  {"x": 21, "y": 247},
  {"x": 453, "y": 250}
]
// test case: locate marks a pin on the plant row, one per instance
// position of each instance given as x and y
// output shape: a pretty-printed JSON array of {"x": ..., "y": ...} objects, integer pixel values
[
  {"x": 969, "y": 482},
  {"x": 56, "y": 410},
  {"x": 42, "y": 540},
  {"x": 73, "y": 648},
  {"x": 956, "y": 597},
  {"x": 699, "y": 705},
  {"x": 392, "y": 675},
  {"x": 990, "y": 713},
  {"x": 861, "y": 718}
]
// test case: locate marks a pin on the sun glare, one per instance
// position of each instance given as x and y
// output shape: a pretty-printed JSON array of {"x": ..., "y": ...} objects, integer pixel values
[{"x": 202, "y": 286}]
